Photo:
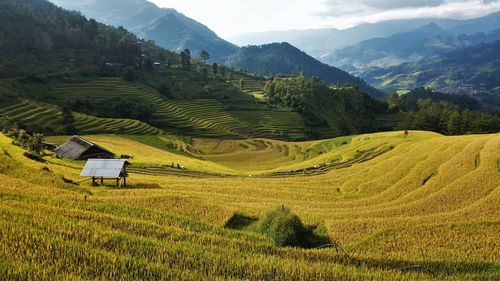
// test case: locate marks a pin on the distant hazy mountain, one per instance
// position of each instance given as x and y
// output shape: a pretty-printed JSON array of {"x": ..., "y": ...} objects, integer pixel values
[
  {"x": 322, "y": 42},
  {"x": 319, "y": 42},
  {"x": 478, "y": 65},
  {"x": 167, "y": 27},
  {"x": 283, "y": 58},
  {"x": 412, "y": 46}
]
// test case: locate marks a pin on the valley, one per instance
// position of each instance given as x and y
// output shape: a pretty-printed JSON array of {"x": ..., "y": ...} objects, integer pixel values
[
  {"x": 138, "y": 144},
  {"x": 378, "y": 215}
]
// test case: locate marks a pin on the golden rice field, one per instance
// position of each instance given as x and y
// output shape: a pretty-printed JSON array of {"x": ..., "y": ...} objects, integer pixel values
[{"x": 422, "y": 208}]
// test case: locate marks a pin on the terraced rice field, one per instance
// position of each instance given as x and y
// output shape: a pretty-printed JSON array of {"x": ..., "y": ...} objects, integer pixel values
[
  {"x": 43, "y": 116},
  {"x": 200, "y": 117},
  {"x": 197, "y": 117},
  {"x": 250, "y": 84},
  {"x": 390, "y": 120},
  {"x": 426, "y": 209},
  {"x": 273, "y": 123},
  {"x": 33, "y": 114}
]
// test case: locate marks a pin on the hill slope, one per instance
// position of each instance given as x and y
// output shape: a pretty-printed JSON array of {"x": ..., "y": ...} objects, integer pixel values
[
  {"x": 438, "y": 198},
  {"x": 40, "y": 38},
  {"x": 477, "y": 65},
  {"x": 283, "y": 58},
  {"x": 413, "y": 46},
  {"x": 314, "y": 43},
  {"x": 167, "y": 27}
]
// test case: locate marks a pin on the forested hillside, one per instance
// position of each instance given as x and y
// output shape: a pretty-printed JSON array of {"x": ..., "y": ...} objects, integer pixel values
[
  {"x": 345, "y": 110},
  {"x": 38, "y": 37},
  {"x": 167, "y": 27},
  {"x": 283, "y": 58},
  {"x": 446, "y": 114}
]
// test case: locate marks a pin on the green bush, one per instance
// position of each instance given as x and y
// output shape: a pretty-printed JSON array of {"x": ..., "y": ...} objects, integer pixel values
[{"x": 285, "y": 228}]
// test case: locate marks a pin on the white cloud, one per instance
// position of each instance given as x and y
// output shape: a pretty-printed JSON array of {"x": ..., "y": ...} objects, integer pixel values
[
  {"x": 451, "y": 9},
  {"x": 231, "y": 17}
]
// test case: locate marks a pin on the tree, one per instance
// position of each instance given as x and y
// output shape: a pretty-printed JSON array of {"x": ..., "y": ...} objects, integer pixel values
[
  {"x": 204, "y": 55},
  {"x": 21, "y": 138},
  {"x": 214, "y": 68},
  {"x": 186, "y": 59},
  {"x": 455, "y": 123},
  {"x": 35, "y": 144},
  {"x": 129, "y": 75},
  {"x": 223, "y": 71},
  {"x": 165, "y": 89},
  {"x": 6, "y": 124}
]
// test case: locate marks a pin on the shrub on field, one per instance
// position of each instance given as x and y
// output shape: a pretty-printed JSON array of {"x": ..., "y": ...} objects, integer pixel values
[{"x": 286, "y": 229}]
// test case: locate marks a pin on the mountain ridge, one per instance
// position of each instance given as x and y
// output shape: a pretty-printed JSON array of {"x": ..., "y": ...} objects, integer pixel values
[
  {"x": 478, "y": 64},
  {"x": 309, "y": 40},
  {"x": 147, "y": 21}
]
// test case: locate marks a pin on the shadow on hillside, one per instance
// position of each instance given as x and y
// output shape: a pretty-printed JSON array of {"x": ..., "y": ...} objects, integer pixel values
[{"x": 240, "y": 221}]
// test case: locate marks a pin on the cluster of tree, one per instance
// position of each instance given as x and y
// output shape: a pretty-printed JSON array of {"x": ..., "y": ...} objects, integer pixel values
[
  {"x": 346, "y": 110},
  {"x": 409, "y": 101},
  {"x": 449, "y": 119},
  {"x": 114, "y": 108},
  {"x": 186, "y": 59},
  {"x": 31, "y": 142},
  {"x": 166, "y": 88}
]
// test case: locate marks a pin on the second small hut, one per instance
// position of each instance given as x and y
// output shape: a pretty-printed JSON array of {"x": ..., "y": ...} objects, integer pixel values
[{"x": 78, "y": 148}]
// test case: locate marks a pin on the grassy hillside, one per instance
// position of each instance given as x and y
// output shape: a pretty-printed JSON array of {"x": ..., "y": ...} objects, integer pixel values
[{"x": 432, "y": 215}]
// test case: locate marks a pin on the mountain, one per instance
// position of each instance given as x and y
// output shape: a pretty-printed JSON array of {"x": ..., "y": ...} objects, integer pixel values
[
  {"x": 61, "y": 73},
  {"x": 37, "y": 37},
  {"x": 283, "y": 58},
  {"x": 412, "y": 46},
  {"x": 167, "y": 27},
  {"x": 471, "y": 26},
  {"x": 174, "y": 31},
  {"x": 478, "y": 65},
  {"x": 322, "y": 42}
]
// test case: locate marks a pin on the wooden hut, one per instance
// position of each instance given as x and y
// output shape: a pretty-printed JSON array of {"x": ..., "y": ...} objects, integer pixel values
[
  {"x": 78, "y": 148},
  {"x": 102, "y": 169}
]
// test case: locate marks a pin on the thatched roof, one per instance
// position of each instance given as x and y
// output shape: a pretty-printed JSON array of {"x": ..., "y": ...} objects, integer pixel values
[
  {"x": 108, "y": 168},
  {"x": 78, "y": 148}
]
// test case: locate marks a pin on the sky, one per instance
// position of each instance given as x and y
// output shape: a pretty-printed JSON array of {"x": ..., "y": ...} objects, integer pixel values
[{"x": 233, "y": 17}]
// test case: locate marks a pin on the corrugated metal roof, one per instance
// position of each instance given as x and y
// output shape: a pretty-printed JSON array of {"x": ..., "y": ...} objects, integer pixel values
[
  {"x": 76, "y": 147},
  {"x": 108, "y": 168}
]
